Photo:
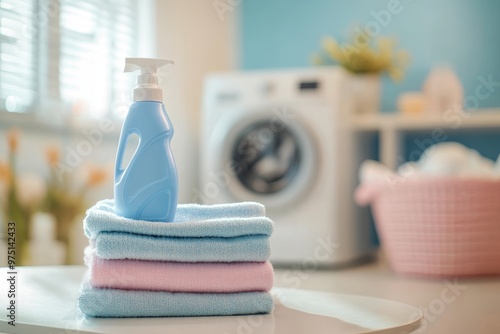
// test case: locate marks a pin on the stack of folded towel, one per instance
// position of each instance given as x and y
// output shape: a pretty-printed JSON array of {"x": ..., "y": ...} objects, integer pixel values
[{"x": 212, "y": 260}]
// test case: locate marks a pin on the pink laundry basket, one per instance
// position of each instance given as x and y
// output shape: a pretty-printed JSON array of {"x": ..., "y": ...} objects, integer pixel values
[{"x": 438, "y": 227}]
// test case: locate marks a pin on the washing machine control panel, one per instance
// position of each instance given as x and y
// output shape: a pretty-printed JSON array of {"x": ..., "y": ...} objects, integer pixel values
[{"x": 309, "y": 85}]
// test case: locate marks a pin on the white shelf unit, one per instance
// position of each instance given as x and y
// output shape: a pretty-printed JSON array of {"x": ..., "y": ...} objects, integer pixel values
[{"x": 393, "y": 126}]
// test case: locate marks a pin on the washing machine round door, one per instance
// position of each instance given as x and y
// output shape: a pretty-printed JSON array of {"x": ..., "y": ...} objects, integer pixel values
[{"x": 268, "y": 156}]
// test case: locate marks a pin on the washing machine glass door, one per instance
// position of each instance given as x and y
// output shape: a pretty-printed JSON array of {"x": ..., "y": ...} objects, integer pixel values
[{"x": 270, "y": 159}]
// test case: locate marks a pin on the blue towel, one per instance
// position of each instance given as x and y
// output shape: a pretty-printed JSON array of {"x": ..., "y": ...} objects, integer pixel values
[
  {"x": 132, "y": 303},
  {"x": 221, "y": 220},
  {"x": 200, "y": 233},
  {"x": 118, "y": 245}
]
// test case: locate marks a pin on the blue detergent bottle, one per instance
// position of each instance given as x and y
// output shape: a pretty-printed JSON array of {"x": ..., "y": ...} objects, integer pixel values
[{"x": 147, "y": 188}]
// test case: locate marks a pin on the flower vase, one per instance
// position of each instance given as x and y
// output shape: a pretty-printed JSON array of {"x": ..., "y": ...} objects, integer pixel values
[{"x": 362, "y": 93}]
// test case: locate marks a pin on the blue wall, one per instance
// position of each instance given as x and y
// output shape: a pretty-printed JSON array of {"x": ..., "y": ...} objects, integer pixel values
[{"x": 464, "y": 34}]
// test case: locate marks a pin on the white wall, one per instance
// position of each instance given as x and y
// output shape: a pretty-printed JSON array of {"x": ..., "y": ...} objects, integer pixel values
[{"x": 192, "y": 33}]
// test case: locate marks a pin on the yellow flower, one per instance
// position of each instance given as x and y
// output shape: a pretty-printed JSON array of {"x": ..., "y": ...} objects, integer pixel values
[
  {"x": 366, "y": 55},
  {"x": 396, "y": 73},
  {"x": 13, "y": 139},
  {"x": 333, "y": 49},
  {"x": 386, "y": 46}
]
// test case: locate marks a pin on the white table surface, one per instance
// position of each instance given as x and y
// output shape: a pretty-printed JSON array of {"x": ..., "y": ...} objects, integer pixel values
[
  {"x": 462, "y": 306},
  {"x": 471, "y": 306}
]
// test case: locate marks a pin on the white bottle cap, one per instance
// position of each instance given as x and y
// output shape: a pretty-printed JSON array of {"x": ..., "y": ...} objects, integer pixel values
[{"x": 147, "y": 88}]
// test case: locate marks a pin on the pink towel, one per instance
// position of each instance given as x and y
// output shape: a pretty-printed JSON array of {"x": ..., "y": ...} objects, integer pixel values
[{"x": 179, "y": 276}]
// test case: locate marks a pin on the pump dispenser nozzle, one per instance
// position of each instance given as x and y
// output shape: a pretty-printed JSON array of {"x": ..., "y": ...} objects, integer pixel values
[{"x": 147, "y": 88}]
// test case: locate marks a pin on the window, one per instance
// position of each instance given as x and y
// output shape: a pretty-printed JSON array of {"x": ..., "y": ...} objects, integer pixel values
[
  {"x": 17, "y": 55},
  {"x": 66, "y": 55}
]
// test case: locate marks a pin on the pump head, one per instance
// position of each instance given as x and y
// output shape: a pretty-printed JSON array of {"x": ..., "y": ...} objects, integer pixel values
[{"x": 147, "y": 88}]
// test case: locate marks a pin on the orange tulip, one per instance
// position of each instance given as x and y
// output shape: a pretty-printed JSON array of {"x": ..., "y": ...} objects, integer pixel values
[
  {"x": 96, "y": 176},
  {"x": 13, "y": 139},
  {"x": 5, "y": 173},
  {"x": 52, "y": 154}
]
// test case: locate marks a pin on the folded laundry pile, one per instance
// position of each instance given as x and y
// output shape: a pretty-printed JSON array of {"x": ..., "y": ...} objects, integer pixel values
[{"x": 212, "y": 260}]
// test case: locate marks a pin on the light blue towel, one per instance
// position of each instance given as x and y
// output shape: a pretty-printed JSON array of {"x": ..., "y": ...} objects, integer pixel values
[
  {"x": 143, "y": 247},
  {"x": 132, "y": 303},
  {"x": 200, "y": 233}
]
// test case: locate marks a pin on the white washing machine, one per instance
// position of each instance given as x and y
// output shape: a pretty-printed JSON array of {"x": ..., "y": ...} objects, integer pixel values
[{"x": 281, "y": 138}]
